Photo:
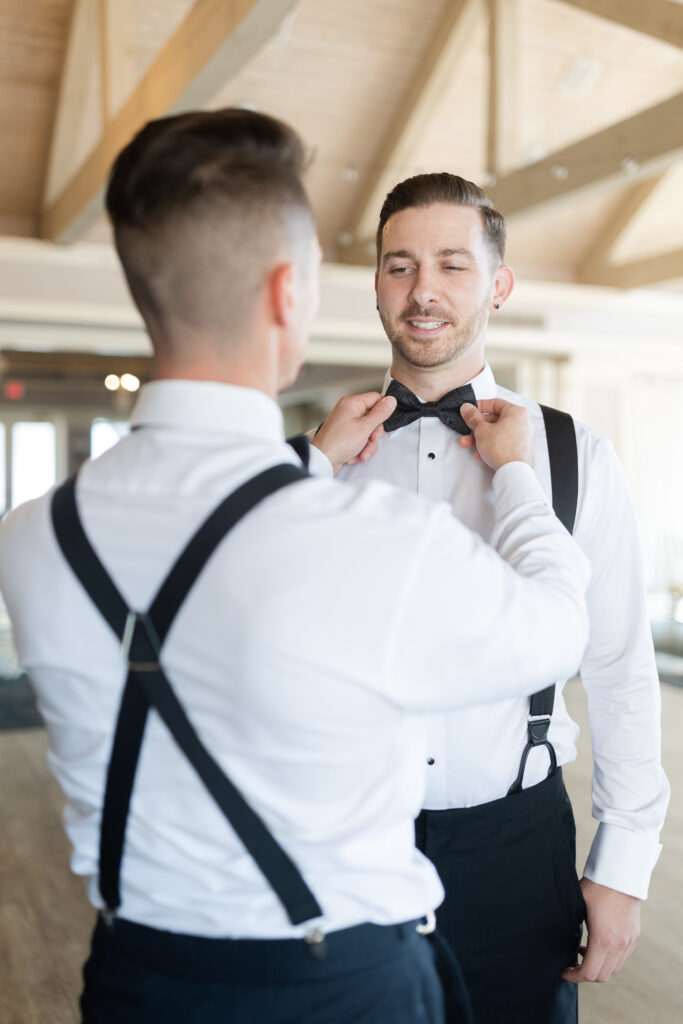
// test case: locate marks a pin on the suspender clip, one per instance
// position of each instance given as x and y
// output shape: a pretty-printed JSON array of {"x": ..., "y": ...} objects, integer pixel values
[
  {"x": 140, "y": 638},
  {"x": 108, "y": 915},
  {"x": 315, "y": 943},
  {"x": 427, "y": 926},
  {"x": 537, "y": 728}
]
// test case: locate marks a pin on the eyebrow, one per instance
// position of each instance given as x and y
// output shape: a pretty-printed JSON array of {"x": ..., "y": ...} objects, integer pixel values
[
  {"x": 404, "y": 254},
  {"x": 455, "y": 252}
]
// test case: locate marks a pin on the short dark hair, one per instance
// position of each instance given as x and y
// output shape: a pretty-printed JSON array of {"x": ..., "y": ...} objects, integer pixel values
[
  {"x": 233, "y": 172},
  {"x": 175, "y": 161},
  {"x": 425, "y": 189}
]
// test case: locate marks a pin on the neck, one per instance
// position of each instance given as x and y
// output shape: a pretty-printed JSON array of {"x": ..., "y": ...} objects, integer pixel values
[
  {"x": 247, "y": 367},
  {"x": 433, "y": 382}
]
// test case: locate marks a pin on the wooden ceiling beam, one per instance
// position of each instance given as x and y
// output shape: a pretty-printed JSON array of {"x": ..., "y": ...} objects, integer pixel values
[
  {"x": 210, "y": 46},
  {"x": 667, "y": 266},
  {"x": 599, "y": 255},
  {"x": 635, "y": 149},
  {"x": 440, "y": 63},
  {"x": 117, "y": 30},
  {"x": 503, "y": 100},
  {"x": 72, "y": 117},
  {"x": 660, "y": 19}
]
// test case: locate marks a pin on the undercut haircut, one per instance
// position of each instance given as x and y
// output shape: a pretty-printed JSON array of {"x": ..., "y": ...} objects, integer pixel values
[
  {"x": 425, "y": 189},
  {"x": 202, "y": 205}
]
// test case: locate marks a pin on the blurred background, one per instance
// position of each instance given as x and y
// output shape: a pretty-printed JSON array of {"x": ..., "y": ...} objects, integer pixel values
[{"x": 569, "y": 113}]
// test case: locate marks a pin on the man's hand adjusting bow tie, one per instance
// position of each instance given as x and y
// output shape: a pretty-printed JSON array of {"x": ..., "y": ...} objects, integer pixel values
[
  {"x": 497, "y": 431},
  {"x": 351, "y": 431},
  {"x": 501, "y": 432},
  {"x": 409, "y": 408}
]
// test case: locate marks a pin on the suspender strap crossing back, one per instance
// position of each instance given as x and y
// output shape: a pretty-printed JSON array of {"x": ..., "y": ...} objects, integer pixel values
[
  {"x": 564, "y": 479},
  {"x": 142, "y": 636},
  {"x": 302, "y": 447}
]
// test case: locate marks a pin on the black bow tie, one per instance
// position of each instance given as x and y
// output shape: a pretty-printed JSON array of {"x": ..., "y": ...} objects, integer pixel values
[{"x": 410, "y": 408}]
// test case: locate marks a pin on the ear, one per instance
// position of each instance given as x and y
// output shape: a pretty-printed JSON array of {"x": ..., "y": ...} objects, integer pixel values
[
  {"x": 503, "y": 283},
  {"x": 282, "y": 294}
]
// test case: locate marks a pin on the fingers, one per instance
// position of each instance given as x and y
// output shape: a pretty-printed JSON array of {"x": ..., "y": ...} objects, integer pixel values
[
  {"x": 365, "y": 401},
  {"x": 497, "y": 406},
  {"x": 378, "y": 412},
  {"x": 471, "y": 415},
  {"x": 370, "y": 448},
  {"x": 599, "y": 964}
]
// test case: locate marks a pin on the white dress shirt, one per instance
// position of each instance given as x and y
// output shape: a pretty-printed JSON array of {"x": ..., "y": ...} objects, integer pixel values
[
  {"x": 475, "y": 755},
  {"x": 321, "y": 631}
]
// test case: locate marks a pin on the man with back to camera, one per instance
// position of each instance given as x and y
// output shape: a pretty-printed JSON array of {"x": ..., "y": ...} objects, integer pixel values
[
  {"x": 500, "y": 833},
  {"x": 241, "y": 788}
]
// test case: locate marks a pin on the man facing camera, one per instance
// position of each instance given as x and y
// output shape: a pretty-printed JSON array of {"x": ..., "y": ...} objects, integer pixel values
[
  {"x": 497, "y": 821},
  {"x": 241, "y": 780}
]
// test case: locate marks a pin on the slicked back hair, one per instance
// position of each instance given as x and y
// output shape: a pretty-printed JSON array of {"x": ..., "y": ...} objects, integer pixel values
[
  {"x": 200, "y": 203},
  {"x": 425, "y": 189}
]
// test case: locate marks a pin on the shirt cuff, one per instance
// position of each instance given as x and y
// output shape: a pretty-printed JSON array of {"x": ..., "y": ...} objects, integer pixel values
[
  {"x": 514, "y": 484},
  {"x": 318, "y": 463},
  {"x": 622, "y": 860}
]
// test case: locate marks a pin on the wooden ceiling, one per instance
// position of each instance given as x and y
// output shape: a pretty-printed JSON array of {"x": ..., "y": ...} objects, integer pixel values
[{"x": 569, "y": 111}]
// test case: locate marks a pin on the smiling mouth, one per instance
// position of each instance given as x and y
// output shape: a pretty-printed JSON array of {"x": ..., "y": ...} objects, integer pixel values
[{"x": 427, "y": 325}]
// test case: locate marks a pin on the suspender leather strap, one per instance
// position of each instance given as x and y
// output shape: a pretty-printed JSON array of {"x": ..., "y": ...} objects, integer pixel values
[
  {"x": 564, "y": 479},
  {"x": 302, "y": 447},
  {"x": 142, "y": 636},
  {"x": 564, "y": 464}
]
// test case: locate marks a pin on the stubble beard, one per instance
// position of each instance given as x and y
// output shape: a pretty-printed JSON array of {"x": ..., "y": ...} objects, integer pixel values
[{"x": 443, "y": 350}]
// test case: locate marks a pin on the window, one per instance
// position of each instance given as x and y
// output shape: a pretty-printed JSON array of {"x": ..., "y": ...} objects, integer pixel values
[
  {"x": 3, "y": 470},
  {"x": 33, "y": 460},
  {"x": 104, "y": 434}
]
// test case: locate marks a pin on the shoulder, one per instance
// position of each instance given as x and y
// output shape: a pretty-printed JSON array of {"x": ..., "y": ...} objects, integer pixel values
[
  {"x": 590, "y": 442},
  {"x": 25, "y": 539},
  {"x": 358, "y": 499}
]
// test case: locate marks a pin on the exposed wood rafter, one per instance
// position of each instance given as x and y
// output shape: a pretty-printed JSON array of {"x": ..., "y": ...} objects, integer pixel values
[
  {"x": 599, "y": 256},
  {"x": 666, "y": 266},
  {"x": 661, "y": 19},
  {"x": 77, "y": 81},
  {"x": 449, "y": 44},
  {"x": 117, "y": 27},
  {"x": 640, "y": 147},
  {"x": 503, "y": 112},
  {"x": 211, "y": 45}
]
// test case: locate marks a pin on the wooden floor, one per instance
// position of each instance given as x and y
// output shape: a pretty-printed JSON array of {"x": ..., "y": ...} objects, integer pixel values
[{"x": 45, "y": 920}]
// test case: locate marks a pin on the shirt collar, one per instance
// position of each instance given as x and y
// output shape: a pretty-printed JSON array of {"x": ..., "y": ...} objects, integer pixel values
[
  {"x": 208, "y": 406},
  {"x": 484, "y": 383}
]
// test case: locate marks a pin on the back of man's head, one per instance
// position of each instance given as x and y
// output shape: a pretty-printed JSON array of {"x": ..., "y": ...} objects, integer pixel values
[
  {"x": 442, "y": 187},
  {"x": 203, "y": 205}
]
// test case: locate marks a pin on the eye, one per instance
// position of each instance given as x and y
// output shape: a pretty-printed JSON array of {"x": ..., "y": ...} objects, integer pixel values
[
  {"x": 399, "y": 271},
  {"x": 455, "y": 268}
]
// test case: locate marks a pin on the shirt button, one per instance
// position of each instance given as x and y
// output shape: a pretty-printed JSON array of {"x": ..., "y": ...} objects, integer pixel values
[
  {"x": 430, "y": 760},
  {"x": 431, "y": 455}
]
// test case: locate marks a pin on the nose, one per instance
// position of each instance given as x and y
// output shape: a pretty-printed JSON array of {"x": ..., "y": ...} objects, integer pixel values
[{"x": 424, "y": 287}]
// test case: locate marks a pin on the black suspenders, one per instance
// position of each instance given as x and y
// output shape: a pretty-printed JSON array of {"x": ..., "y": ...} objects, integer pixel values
[
  {"x": 142, "y": 635},
  {"x": 564, "y": 478}
]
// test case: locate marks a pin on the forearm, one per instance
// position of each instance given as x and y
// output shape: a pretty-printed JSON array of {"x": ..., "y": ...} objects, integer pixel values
[
  {"x": 630, "y": 790},
  {"x": 483, "y": 612}
]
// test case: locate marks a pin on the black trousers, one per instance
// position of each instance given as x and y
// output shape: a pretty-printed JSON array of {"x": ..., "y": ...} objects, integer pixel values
[
  {"x": 370, "y": 975},
  {"x": 513, "y": 910}
]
